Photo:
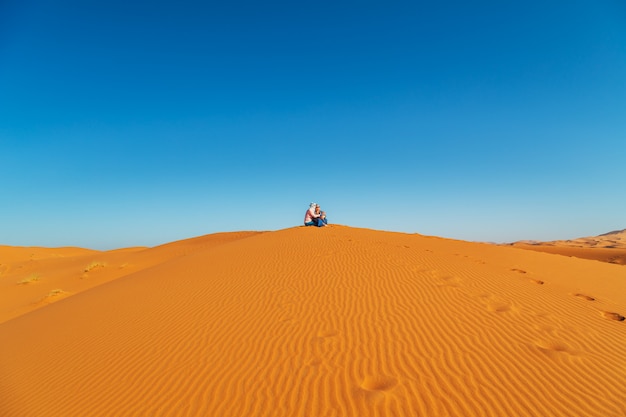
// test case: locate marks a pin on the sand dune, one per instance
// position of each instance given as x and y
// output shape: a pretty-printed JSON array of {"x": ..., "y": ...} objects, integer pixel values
[
  {"x": 34, "y": 277},
  {"x": 608, "y": 247},
  {"x": 335, "y": 321}
]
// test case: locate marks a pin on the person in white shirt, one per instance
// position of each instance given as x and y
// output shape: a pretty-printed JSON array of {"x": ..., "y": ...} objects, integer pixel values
[{"x": 311, "y": 218}]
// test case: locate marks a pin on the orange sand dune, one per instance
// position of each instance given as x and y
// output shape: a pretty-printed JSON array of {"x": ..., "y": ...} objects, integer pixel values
[
  {"x": 610, "y": 255},
  {"x": 335, "y": 321},
  {"x": 609, "y": 247},
  {"x": 31, "y": 278}
]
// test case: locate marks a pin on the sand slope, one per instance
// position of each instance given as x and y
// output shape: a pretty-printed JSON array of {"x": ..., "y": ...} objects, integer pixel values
[
  {"x": 32, "y": 277},
  {"x": 335, "y": 321},
  {"x": 608, "y": 247}
]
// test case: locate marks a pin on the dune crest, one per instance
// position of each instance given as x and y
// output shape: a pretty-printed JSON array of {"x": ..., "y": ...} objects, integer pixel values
[
  {"x": 74, "y": 270},
  {"x": 608, "y": 247},
  {"x": 336, "y": 321}
]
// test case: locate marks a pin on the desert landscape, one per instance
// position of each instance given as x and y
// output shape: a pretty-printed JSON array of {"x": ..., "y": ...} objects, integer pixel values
[
  {"x": 608, "y": 247},
  {"x": 332, "y": 321}
]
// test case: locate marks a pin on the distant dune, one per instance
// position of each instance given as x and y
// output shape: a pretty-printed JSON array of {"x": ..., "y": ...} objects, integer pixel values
[
  {"x": 335, "y": 321},
  {"x": 608, "y": 247}
]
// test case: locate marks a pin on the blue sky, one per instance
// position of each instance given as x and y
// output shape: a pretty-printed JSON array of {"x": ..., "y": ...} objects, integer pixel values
[{"x": 127, "y": 123}]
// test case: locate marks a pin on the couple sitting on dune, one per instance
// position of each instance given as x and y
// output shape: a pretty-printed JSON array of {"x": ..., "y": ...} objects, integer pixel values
[{"x": 314, "y": 216}]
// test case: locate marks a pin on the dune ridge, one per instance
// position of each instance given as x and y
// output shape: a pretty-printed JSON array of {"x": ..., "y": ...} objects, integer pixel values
[
  {"x": 337, "y": 321},
  {"x": 42, "y": 271},
  {"x": 608, "y": 247}
]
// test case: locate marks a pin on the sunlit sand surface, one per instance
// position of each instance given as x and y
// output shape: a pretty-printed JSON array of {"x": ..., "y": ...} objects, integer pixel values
[
  {"x": 609, "y": 247},
  {"x": 334, "y": 321}
]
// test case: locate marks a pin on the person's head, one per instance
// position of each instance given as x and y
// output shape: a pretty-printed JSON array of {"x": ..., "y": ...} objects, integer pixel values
[
  {"x": 312, "y": 205},
  {"x": 317, "y": 208}
]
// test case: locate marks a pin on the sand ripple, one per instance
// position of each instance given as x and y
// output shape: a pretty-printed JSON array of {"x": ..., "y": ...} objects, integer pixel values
[{"x": 327, "y": 322}]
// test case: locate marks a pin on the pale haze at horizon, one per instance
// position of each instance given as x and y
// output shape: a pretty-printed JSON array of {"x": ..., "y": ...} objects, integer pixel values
[{"x": 134, "y": 124}]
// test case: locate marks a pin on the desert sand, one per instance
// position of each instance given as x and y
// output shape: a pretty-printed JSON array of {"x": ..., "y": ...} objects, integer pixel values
[
  {"x": 608, "y": 247},
  {"x": 334, "y": 321}
]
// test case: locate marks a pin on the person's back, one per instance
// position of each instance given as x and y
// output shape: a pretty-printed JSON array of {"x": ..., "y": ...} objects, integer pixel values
[{"x": 310, "y": 216}]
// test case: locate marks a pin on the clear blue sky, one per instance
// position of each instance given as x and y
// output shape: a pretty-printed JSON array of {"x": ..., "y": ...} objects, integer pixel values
[{"x": 128, "y": 123}]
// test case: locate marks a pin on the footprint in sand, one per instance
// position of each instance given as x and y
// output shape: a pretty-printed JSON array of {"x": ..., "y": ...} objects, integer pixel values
[
  {"x": 550, "y": 347},
  {"x": 584, "y": 297},
  {"x": 612, "y": 316},
  {"x": 378, "y": 383},
  {"x": 446, "y": 280},
  {"x": 320, "y": 346},
  {"x": 533, "y": 280},
  {"x": 450, "y": 282},
  {"x": 498, "y": 307},
  {"x": 419, "y": 269}
]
